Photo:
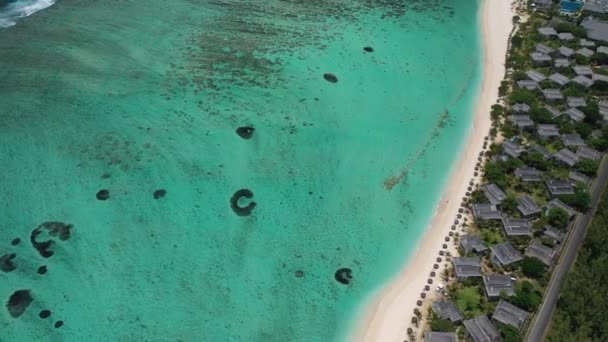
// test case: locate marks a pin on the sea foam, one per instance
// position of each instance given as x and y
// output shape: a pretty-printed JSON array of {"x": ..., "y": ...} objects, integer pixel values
[{"x": 12, "y": 11}]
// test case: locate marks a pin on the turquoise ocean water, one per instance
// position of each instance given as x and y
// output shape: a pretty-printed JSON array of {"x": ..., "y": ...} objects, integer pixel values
[{"x": 136, "y": 96}]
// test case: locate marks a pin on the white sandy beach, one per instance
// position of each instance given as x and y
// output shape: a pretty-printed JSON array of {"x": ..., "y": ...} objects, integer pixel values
[{"x": 388, "y": 313}]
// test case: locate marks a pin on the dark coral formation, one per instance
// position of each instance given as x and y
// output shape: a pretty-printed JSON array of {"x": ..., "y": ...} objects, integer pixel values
[
  {"x": 58, "y": 229},
  {"x": 58, "y": 324},
  {"x": 102, "y": 195},
  {"x": 245, "y": 132},
  {"x": 242, "y": 210},
  {"x": 6, "y": 262},
  {"x": 15, "y": 241},
  {"x": 44, "y": 314},
  {"x": 344, "y": 275},
  {"x": 368, "y": 49},
  {"x": 160, "y": 193},
  {"x": 299, "y": 274},
  {"x": 42, "y": 269},
  {"x": 18, "y": 302},
  {"x": 329, "y": 77}
]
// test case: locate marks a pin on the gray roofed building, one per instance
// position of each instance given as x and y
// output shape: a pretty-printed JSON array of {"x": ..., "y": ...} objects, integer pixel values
[
  {"x": 472, "y": 243},
  {"x": 585, "y": 52},
  {"x": 512, "y": 149},
  {"x": 527, "y": 207},
  {"x": 602, "y": 49},
  {"x": 573, "y": 139},
  {"x": 596, "y": 29},
  {"x": 542, "y": 4},
  {"x": 541, "y": 252},
  {"x": 558, "y": 187},
  {"x": 585, "y": 152},
  {"x": 559, "y": 79},
  {"x": 565, "y": 51},
  {"x": 527, "y": 84},
  {"x": 520, "y": 108},
  {"x": 521, "y": 121},
  {"x": 584, "y": 70},
  {"x": 434, "y": 336},
  {"x": 536, "y": 76},
  {"x": 587, "y": 43},
  {"x": 599, "y": 78},
  {"x": 538, "y": 57},
  {"x": 545, "y": 153},
  {"x": 553, "y": 94},
  {"x": 516, "y": 226},
  {"x": 509, "y": 314},
  {"x": 553, "y": 234},
  {"x": 446, "y": 309},
  {"x": 480, "y": 329},
  {"x": 547, "y": 31},
  {"x": 466, "y": 267},
  {"x": 485, "y": 211},
  {"x": 565, "y": 36},
  {"x": 576, "y": 177},
  {"x": 575, "y": 114},
  {"x": 528, "y": 174},
  {"x": 561, "y": 63},
  {"x": 596, "y": 6},
  {"x": 566, "y": 156},
  {"x": 583, "y": 80},
  {"x": 542, "y": 48},
  {"x": 576, "y": 101},
  {"x": 493, "y": 193},
  {"x": 547, "y": 130},
  {"x": 554, "y": 111},
  {"x": 497, "y": 283},
  {"x": 557, "y": 203},
  {"x": 504, "y": 254}
]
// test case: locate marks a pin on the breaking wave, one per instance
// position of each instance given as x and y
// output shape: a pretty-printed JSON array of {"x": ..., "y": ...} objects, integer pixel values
[{"x": 13, "y": 10}]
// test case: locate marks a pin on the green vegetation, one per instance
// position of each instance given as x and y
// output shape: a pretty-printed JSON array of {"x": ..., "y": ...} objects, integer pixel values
[
  {"x": 558, "y": 218},
  {"x": 532, "y": 268},
  {"x": 509, "y": 334},
  {"x": 580, "y": 200},
  {"x": 527, "y": 296},
  {"x": 581, "y": 313},
  {"x": 443, "y": 325},
  {"x": 468, "y": 301}
]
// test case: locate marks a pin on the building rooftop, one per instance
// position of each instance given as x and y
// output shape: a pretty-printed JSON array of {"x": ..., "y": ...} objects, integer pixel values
[
  {"x": 434, "y": 336},
  {"x": 565, "y": 51},
  {"x": 566, "y": 156},
  {"x": 576, "y": 177},
  {"x": 582, "y": 80},
  {"x": 543, "y": 151},
  {"x": 505, "y": 254},
  {"x": 576, "y": 101},
  {"x": 512, "y": 149},
  {"x": 516, "y": 226},
  {"x": 510, "y": 314},
  {"x": 541, "y": 252},
  {"x": 497, "y": 283},
  {"x": 493, "y": 193},
  {"x": 565, "y": 36},
  {"x": 585, "y": 52},
  {"x": 520, "y": 108},
  {"x": 485, "y": 211},
  {"x": 599, "y": 78},
  {"x": 558, "y": 187},
  {"x": 539, "y": 57},
  {"x": 481, "y": 330},
  {"x": 596, "y": 6},
  {"x": 547, "y": 31},
  {"x": 561, "y": 63},
  {"x": 573, "y": 139},
  {"x": 547, "y": 130},
  {"x": 557, "y": 203},
  {"x": 584, "y": 70},
  {"x": 559, "y": 79},
  {"x": 553, "y": 233},
  {"x": 466, "y": 267},
  {"x": 575, "y": 114},
  {"x": 446, "y": 309},
  {"x": 542, "y": 48},
  {"x": 521, "y": 121},
  {"x": 587, "y": 43},
  {"x": 596, "y": 29},
  {"x": 472, "y": 243},
  {"x": 527, "y": 84},
  {"x": 585, "y": 152},
  {"x": 553, "y": 94},
  {"x": 527, "y": 206},
  {"x": 528, "y": 174},
  {"x": 536, "y": 76},
  {"x": 554, "y": 111},
  {"x": 602, "y": 49}
]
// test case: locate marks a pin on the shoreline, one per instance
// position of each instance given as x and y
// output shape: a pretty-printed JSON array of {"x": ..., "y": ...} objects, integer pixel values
[{"x": 386, "y": 314}]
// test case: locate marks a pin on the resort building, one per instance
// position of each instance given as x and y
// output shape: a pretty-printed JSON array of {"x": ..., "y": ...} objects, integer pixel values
[
  {"x": 596, "y": 29},
  {"x": 585, "y": 52},
  {"x": 567, "y": 36},
  {"x": 576, "y": 177},
  {"x": 566, "y": 156},
  {"x": 558, "y": 187},
  {"x": 495, "y": 284},
  {"x": 596, "y": 6},
  {"x": 504, "y": 254},
  {"x": 547, "y": 32},
  {"x": 576, "y": 101},
  {"x": 493, "y": 193},
  {"x": 528, "y": 174},
  {"x": 527, "y": 84},
  {"x": 585, "y": 152},
  {"x": 547, "y": 131},
  {"x": 602, "y": 49},
  {"x": 554, "y": 111},
  {"x": 575, "y": 114},
  {"x": 527, "y": 206},
  {"x": 446, "y": 309},
  {"x": 542, "y": 48},
  {"x": 541, "y": 252},
  {"x": 480, "y": 329},
  {"x": 472, "y": 243},
  {"x": 573, "y": 140},
  {"x": 434, "y": 336},
  {"x": 466, "y": 267},
  {"x": 536, "y": 76},
  {"x": 599, "y": 78},
  {"x": 584, "y": 70},
  {"x": 485, "y": 211},
  {"x": 511, "y": 149},
  {"x": 559, "y": 79},
  {"x": 509, "y": 314},
  {"x": 565, "y": 51},
  {"x": 520, "y": 108},
  {"x": 554, "y": 234},
  {"x": 588, "y": 43},
  {"x": 561, "y": 63},
  {"x": 516, "y": 226},
  {"x": 557, "y": 203},
  {"x": 540, "y": 58},
  {"x": 553, "y": 94},
  {"x": 582, "y": 80},
  {"x": 543, "y": 151},
  {"x": 521, "y": 121}
]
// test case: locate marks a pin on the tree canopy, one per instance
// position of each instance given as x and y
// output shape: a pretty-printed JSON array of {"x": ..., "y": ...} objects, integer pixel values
[
  {"x": 533, "y": 268},
  {"x": 558, "y": 218}
]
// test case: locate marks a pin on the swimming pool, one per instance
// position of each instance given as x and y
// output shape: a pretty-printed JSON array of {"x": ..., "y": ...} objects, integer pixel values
[{"x": 570, "y": 6}]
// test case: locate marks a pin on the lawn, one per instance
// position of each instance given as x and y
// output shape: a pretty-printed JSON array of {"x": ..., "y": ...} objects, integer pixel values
[
  {"x": 468, "y": 301},
  {"x": 490, "y": 237}
]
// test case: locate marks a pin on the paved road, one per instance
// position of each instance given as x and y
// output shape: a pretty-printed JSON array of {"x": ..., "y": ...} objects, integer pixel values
[{"x": 539, "y": 325}]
